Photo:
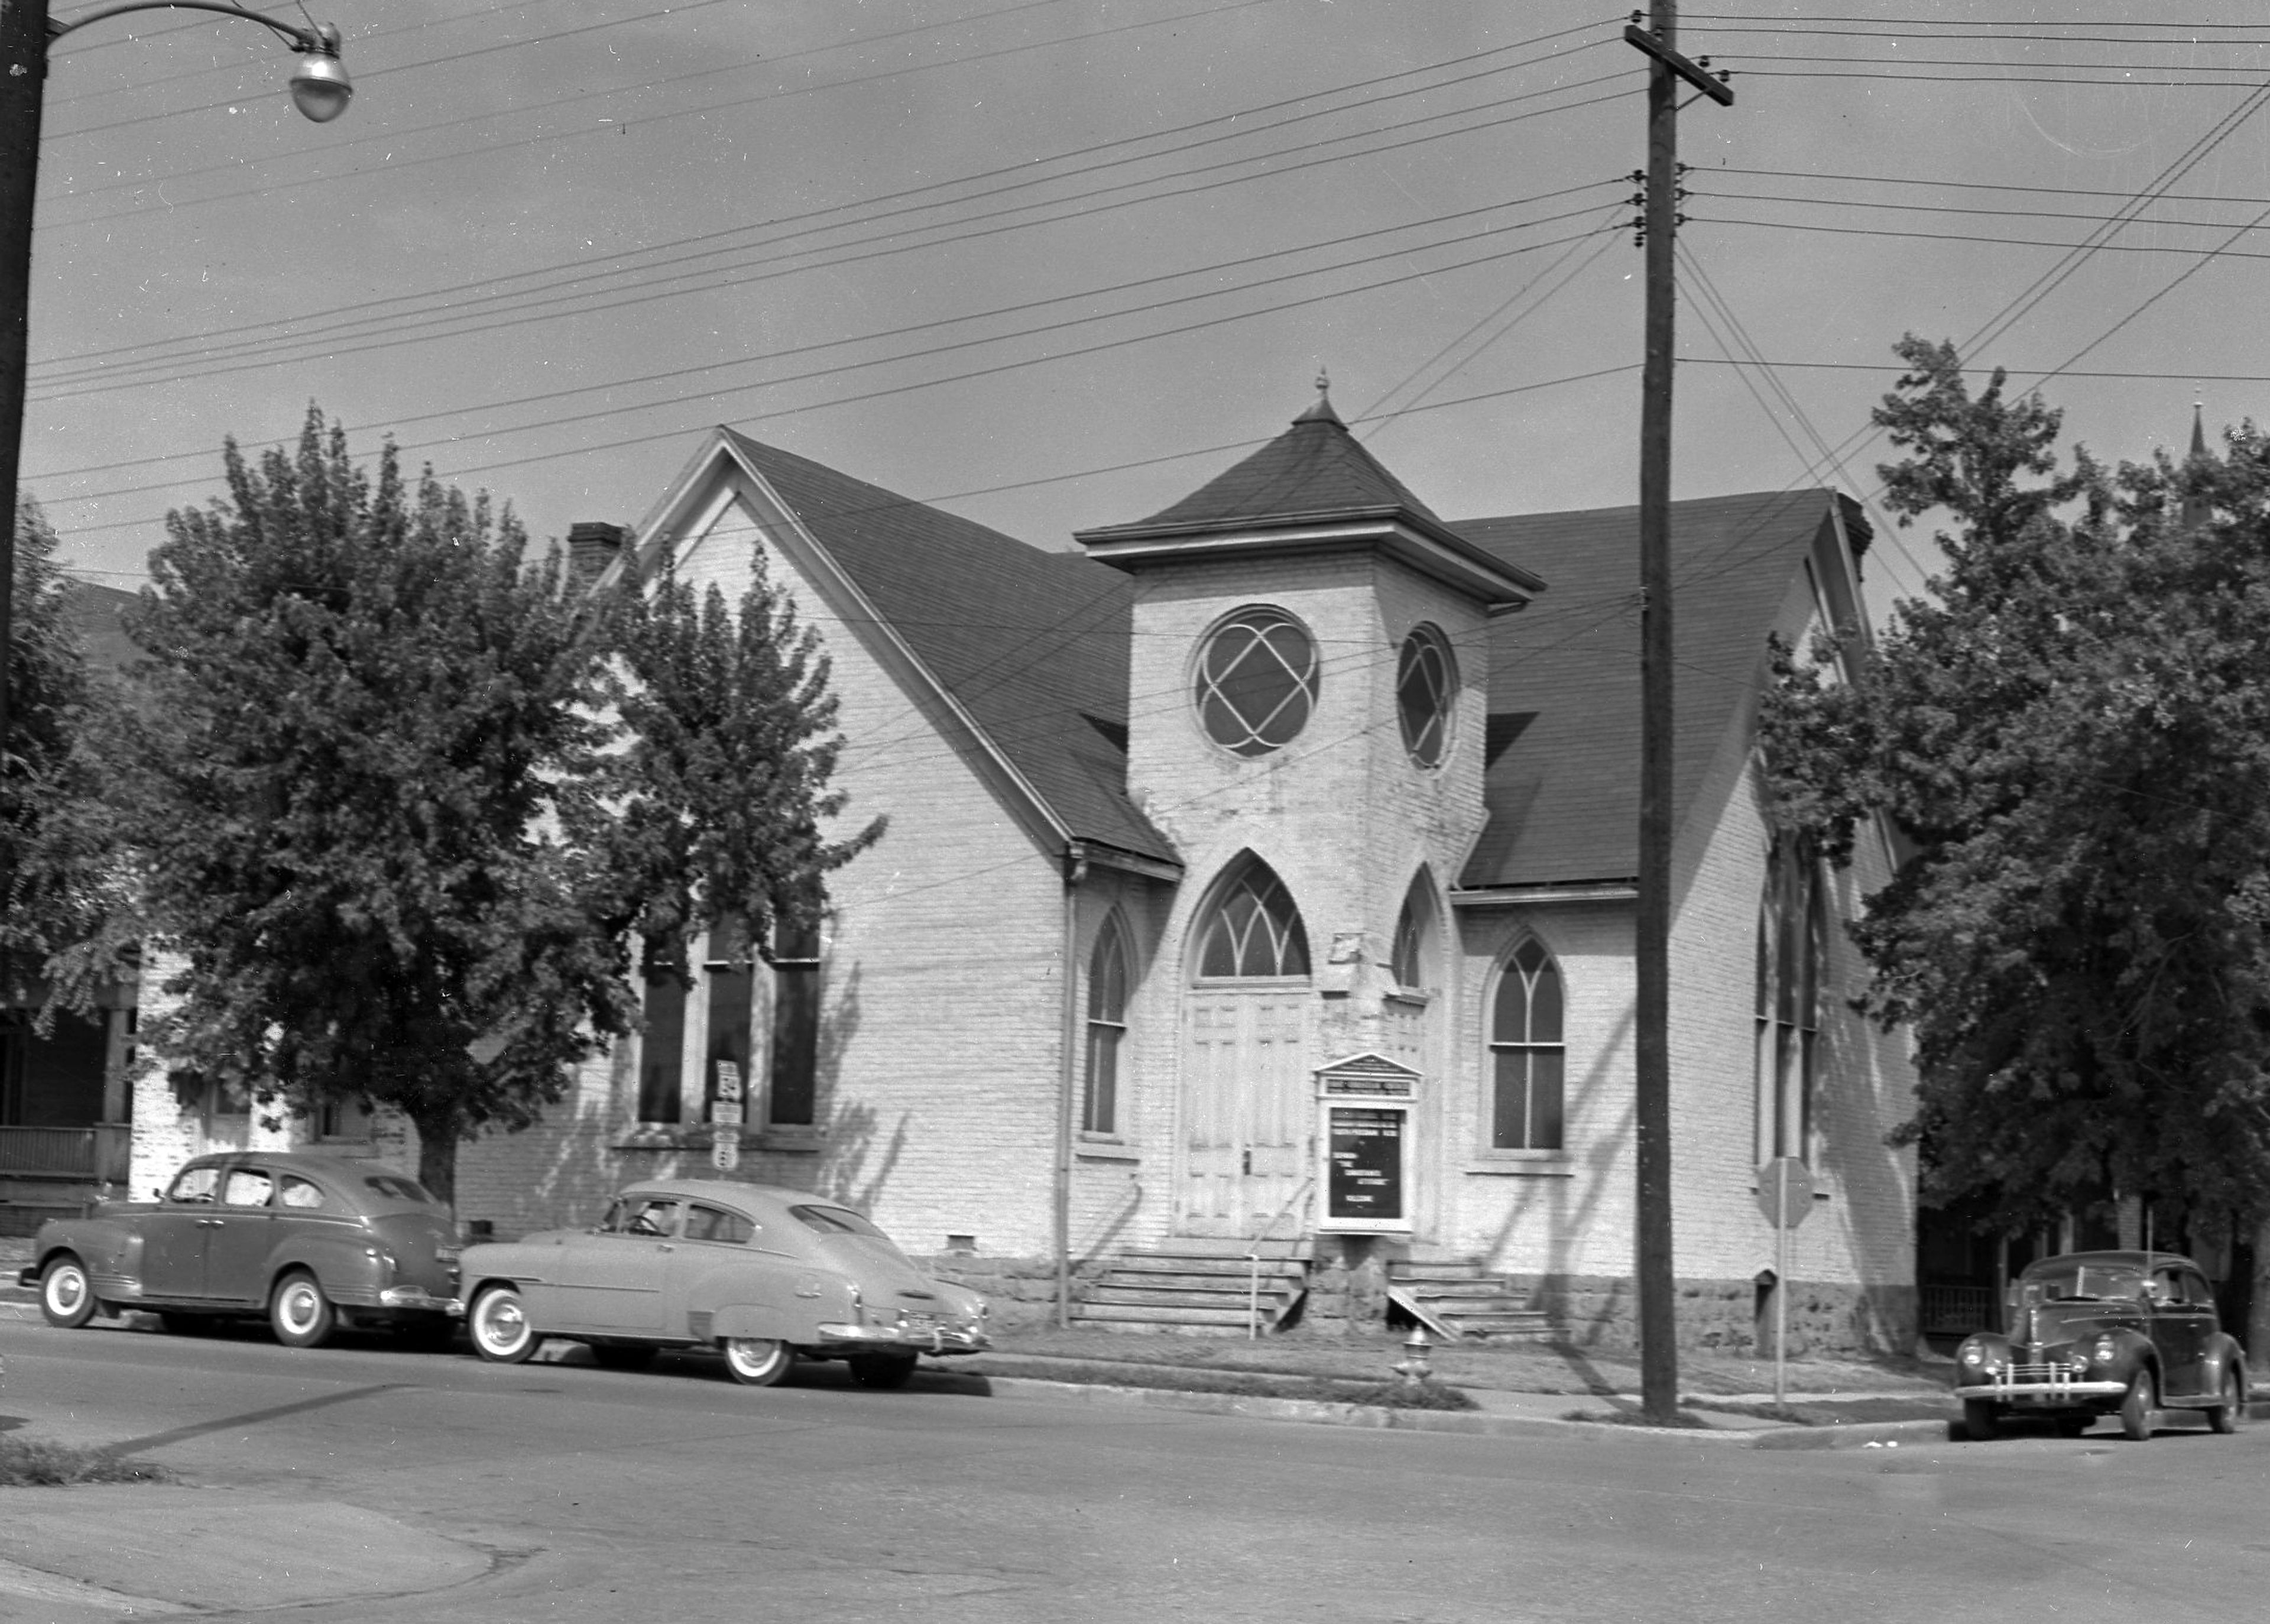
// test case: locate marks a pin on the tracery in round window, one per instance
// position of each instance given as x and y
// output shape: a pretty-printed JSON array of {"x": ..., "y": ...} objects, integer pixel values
[
  {"x": 1426, "y": 686},
  {"x": 1257, "y": 681}
]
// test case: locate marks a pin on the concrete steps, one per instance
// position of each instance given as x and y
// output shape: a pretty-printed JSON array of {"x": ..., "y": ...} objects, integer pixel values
[
  {"x": 1466, "y": 1302},
  {"x": 1196, "y": 1286}
]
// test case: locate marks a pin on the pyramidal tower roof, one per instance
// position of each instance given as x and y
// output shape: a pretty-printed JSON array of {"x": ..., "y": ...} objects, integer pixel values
[{"x": 1313, "y": 487}]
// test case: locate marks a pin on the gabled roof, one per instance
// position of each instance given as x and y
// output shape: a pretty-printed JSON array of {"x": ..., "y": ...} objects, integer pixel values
[
  {"x": 1032, "y": 644},
  {"x": 97, "y": 613},
  {"x": 1563, "y": 779}
]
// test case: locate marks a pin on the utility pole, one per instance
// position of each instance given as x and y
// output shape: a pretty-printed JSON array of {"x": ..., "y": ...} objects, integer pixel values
[
  {"x": 23, "y": 70},
  {"x": 1658, "y": 1347}
]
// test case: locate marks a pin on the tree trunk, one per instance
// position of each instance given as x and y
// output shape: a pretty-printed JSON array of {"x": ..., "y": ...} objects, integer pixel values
[
  {"x": 437, "y": 1153},
  {"x": 2257, "y": 1332}
]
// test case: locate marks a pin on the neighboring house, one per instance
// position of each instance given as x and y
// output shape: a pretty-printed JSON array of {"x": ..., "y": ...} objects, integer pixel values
[
  {"x": 1269, "y": 866},
  {"x": 63, "y": 1094}
]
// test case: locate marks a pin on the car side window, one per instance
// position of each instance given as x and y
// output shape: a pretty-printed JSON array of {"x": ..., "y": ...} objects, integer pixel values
[
  {"x": 709, "y": 1223},
  {"x": 2196, "y": 1292},
  {"x": 642, "y": 1215},
  {"x": 194, "y": 1184},
  {"x": 299, "y": 1193},
  {"x": 247, "y": 1187}
]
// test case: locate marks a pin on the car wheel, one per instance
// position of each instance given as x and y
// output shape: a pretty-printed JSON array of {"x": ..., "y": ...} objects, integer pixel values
[
  {"x": 299, "y": 1312},
  {"x": 2227, "y": 1415},
  {"x": 66, "y": 1296},
  {"x": 2136, "y": 1406},
  {"x": 1980, "y": 1420},
  {"x": 758, "y": 1361},
  {"x": 621, "y": 1355},
  {"x": 882, "y": 1369},
  {"x": 499, "y": 1326}
]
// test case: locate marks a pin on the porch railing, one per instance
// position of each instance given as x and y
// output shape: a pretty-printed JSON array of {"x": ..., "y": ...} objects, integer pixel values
[
  {"x": 95, "y": 1154},
  {"x": 1957, "y": 1310}
]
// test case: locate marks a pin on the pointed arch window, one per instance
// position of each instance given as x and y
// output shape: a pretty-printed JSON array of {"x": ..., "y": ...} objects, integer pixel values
[
  {"x": 1528, "y": 1053},
  {"x": 1411, "y": 958},
  {"x": 1107, "y": 1030},
  {"x": 1253, "y": 929},
  {"x": 1792, "y": 941},
  {"x": 1257, "y": 681}
]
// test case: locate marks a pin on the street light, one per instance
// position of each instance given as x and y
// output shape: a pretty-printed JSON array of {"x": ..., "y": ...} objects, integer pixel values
[{"x": 320, "y": 89}]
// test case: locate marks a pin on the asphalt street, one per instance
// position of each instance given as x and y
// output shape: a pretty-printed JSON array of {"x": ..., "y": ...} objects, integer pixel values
[{"x": 378, "y": 1485}]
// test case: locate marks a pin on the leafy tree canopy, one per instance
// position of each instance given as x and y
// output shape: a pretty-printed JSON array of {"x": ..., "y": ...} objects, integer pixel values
[
  {"x": 399, "y": 797},
  {"x": 2073, "y": 731}
]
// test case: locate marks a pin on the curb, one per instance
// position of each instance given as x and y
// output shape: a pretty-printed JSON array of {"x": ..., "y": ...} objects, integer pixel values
[{"x": 1466, "y": 1422}]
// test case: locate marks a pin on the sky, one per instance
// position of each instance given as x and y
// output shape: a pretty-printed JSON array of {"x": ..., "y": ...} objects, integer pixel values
[{"x": 1054, "y": 263}]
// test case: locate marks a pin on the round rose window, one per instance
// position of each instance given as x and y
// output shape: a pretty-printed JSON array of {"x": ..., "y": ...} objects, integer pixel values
[
  {"x": 1426, "y": 684},
  {"x": 1257, "y": 681}
]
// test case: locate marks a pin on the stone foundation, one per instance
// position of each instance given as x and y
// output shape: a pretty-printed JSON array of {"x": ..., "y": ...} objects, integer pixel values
[
  {"x": 1020, "y": 1293},
  {"x": 1731, "y": 1315}
]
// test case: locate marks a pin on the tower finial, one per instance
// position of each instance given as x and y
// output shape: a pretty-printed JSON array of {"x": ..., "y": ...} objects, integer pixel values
[{"x": 1320, "y": 411}]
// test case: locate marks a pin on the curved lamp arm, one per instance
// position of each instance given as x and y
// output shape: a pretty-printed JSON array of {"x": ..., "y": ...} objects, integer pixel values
[{"x": 320, "y": 86}]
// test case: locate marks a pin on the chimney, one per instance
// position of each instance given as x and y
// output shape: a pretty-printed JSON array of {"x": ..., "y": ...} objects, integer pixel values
[{"x": 592, "y": 546}]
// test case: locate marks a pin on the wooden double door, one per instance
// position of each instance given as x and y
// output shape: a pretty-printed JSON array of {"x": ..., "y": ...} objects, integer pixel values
[{"x": 1248, "y": 1107}]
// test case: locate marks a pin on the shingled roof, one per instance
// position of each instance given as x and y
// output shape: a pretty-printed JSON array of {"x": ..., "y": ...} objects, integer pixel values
[
  {"x": 1315, "y": 467},
  {"x": 1563, "y": 779},
  {"x": 1032, "y": 644}
]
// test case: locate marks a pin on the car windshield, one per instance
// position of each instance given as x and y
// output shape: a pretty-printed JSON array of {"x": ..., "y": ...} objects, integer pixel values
[{"x": 2085, "y": 1282}]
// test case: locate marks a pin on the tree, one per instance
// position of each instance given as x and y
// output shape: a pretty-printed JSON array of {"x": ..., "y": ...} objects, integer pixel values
[
  {"x": 2075, "y": 734},
  {"x": 362, "y": 747},
  {"x": 718, "y": 803},
  {"x": 54, "y": 896},
  {"x": 403, "y": 802}
]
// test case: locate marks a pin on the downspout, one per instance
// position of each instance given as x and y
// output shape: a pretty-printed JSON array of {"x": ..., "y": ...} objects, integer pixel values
[{"x": 1075, "y": 872}]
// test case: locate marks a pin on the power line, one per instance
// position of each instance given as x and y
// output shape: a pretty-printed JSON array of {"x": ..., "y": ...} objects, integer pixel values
[
  {"x": 681, "y": 374},
  {"x": 394, "y": 331}
]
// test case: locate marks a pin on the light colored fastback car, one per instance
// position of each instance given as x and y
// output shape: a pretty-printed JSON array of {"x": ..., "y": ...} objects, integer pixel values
[
  {"x": 312, "y": 1242},
  {"x": 762, "y": 1275}
]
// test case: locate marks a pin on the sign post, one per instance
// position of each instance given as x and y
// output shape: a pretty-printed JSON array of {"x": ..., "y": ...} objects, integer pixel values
[
  {"x": 725, "y": 1118},
  {"x": 1784, "y": 1196}
]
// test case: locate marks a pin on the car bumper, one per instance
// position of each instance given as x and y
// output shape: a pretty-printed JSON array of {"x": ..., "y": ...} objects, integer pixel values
[
  {"x": 2047, "y": 1393},
  {"x": 417, "y": 1299},
  {"x": 915, "y": 1338}
]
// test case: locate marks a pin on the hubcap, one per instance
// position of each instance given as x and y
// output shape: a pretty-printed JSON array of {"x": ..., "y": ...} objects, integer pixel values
[
  {"x": 502, "y": 1323},
  {"x": 66, "y": 1290},
  {"x": 299, "y": 1307}
]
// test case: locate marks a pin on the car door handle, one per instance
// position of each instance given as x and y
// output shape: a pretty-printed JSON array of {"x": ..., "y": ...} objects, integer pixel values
[
  {"x": 665, "y": 1248},
  {"x": 209, "y": 1223}
]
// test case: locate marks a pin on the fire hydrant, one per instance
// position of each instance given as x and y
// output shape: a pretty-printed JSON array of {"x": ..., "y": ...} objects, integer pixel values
[{"x": 1414, "y": 1369}]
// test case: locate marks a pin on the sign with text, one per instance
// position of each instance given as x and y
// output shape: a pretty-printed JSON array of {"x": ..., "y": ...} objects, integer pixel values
[
  {"x": 725, "y": 1115},
  {"x": 1363, "y": 1167}
]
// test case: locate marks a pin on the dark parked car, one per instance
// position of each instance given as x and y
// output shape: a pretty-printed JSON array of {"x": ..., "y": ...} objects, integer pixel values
[
  {"x": 310, "y": 1241},
  {"x": 2104, "y": 1333},
  {"x": 761, "y": 1275}
]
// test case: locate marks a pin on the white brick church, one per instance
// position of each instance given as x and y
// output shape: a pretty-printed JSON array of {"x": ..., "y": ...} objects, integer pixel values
[{"x": 1266, "y": 865}]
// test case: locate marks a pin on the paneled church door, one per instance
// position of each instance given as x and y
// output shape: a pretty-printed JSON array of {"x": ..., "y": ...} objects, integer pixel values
[
  {"x": 1248, "y": 1113},
  {"x": 1249, "y": 1109}
]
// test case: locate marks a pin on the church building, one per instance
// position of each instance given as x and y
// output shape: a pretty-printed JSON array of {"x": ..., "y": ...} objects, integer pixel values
[{"x": 1251, "y": 943}]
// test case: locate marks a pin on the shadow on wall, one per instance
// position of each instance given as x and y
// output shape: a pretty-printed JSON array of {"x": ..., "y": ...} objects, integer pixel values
[
  {"x": 1860, "y": 1096},
  {"x": 1569, "y": 1207}
]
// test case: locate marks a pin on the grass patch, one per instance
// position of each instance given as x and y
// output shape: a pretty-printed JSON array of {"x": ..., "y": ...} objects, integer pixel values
[
  {"x": 32, "y": 1462},
  {"x": 1239, "y": 1384},
  {"x": 1621, "y": 1417}
]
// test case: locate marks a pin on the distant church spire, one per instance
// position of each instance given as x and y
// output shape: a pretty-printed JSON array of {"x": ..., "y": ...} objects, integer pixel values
[
  {"x": 2196, "y": 511},
  {"x": 1320, "y": 409}
]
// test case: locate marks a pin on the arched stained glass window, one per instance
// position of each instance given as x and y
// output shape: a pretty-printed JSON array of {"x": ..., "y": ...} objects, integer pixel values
[
  {"x": 1107, "y": 1028},
  {"x": 1257, "y": 681},
  {"x": 1426, "y": 685},
  {"x": 1792, "y": 943},
  {"x": 1253, "y": 929},
  {"x": 1411, "y": 958},
  {"x": 1527, "y": 1053}
]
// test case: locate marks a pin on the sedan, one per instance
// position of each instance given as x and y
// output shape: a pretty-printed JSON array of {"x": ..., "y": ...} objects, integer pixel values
[
  {"x": 312, "y": 1243},
  {"x": 763, "y": 1276},
  {"x": 2104, "y": 1333}
]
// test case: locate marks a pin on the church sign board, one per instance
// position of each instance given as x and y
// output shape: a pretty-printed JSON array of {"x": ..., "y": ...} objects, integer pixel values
[{"x": 1365, "y": 1136}]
